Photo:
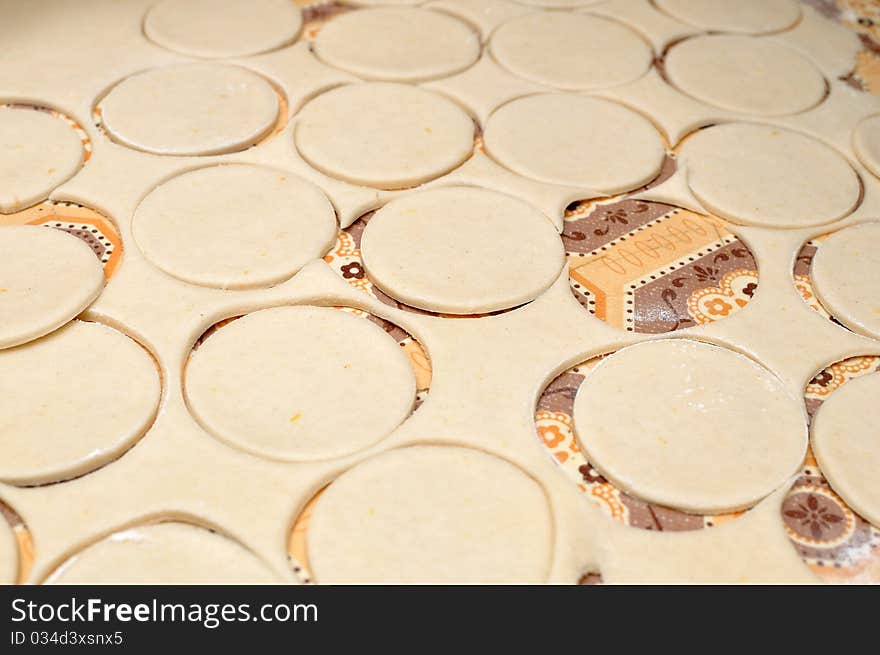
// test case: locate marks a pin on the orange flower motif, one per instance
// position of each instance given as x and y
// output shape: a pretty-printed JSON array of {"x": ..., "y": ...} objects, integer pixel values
[
  {"x": 551, "y": 435},
  {"x": 718, "y": 307}
]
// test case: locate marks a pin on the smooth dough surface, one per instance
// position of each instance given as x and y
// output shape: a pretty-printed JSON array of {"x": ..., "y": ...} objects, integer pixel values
[
  {"x": 384, "y": 135},
  {"x": 846, "y": 442},
  {"x": 223, "y": 28},
  {"x": 752, "y": 75},
  {"x": 689, "y": 425},
  {"x": 234, "y": 227},
  {"x": 431, "y": 514},
  {"x": 8, "y": 554},
  {"x": 72, "y": 402},
  {"x": 300, "y": 383},
  {"x": 191, "y": 109},
  {"x": 846, "y": 277},
  {"x": 47, "y": 277},
  {"x": 577, "y": 141},
  {"x": 398, "y": 44},
  {"x": 558, "y": 4},
  {"x": 745, "y": 16},
  {"x": 578, "y": 52},
  {"x": 164, "y": 553},
  {"x": 768, "y": 176},
  {"x": 461, "y": 250},
  {"x": 37, "y": 153},
  {"x": 866, "y": 143}
]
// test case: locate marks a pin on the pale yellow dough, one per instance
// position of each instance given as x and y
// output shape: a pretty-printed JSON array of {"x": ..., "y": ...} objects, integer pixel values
[
  {"x": 866, "y": 143},
  {"x": 690, "y": 425},
  {"x": 8, "y": 554},
  {"x": 431, "y": 514},
  {"x": 558, "y": 4},
  {"x": 47, "y": 277},
  {"x": 745, "y": 16}
]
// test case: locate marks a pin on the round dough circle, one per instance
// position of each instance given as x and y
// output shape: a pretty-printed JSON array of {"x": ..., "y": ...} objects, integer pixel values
[
  {"x": 72, "y": 402},
  {"x": 223, "y": 28},
  {"x": 751, "y": 75},
  {"x": 164, "y": 553},
  {"x": 577, "y": 141},
  {"x": 415, "y": 44},
  {"x": 433, "y": 515},
  {"x": 37, "y": 153},
  {"x": 461, "y": 250},
  {"x": 191, "y": 109},
  {"x": 580, "y": 52},
  {"x": 47, "y": 277},
  {"x": 689, "y": 425},
  {"x": 846, "y": 443},
  {"x": 845, "y": 271},
  {"x": 770, "y": 177},
  {"x": 866, "y": 143},
  {"x": 300, "y": 383},
  {"x": 558, "y": 4},
  {"x": 8, "y": 554},
  {"x": 234, "y": 226},
  {"x": 744, "y": 16},
  {"x": 384, "y": 135}
]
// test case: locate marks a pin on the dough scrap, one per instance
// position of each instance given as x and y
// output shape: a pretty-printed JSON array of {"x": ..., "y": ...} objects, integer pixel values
[
  {"x": 8, "y": 554},
  {"x": 744, "y": 16},
  {"x": 866, "y": 143}
]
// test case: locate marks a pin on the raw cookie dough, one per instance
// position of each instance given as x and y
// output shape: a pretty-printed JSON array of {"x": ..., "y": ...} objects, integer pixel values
[
  {"x": 461, "y": 250},
  {"x": 223, "y": 28},
  {"x": 577, "y": 141},
  {"x": 383, "y": 135},
  {"x": 190, "y": 109},
  {"x": 164, "y": 553},
  {"x": 8, "y": 554},
  {"x": 752, "y": 75},
  {"x": 768, "y": 176},
  {"x": 745, "y": 16},
  {"x": 866, "y": 143},
  {"x": 47, "y": 277},
  {"x": 72, "y": 402},
  {"x": 846, "y": 442},
  {"x": 37, "y": 153},
  {"x": 300, "y": 383},
  {"x": 689, "y": 425},
  {"x": 398, "y": 44},
  {"x": 431, "y": 514},
  {"x": 558, "y": 4},
  {"x": 234, "y": 227},
  {"x": 845, "y": 275},
  {"x": 578, "y": 52}
]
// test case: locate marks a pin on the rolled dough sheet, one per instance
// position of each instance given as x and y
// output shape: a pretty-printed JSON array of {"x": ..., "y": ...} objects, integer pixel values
[
  {"x": 8, "y": 554},
  {"x": 558, "y": 4},
  {"x": 745, "y": 16},
  {"x": 866, "y": 142}
]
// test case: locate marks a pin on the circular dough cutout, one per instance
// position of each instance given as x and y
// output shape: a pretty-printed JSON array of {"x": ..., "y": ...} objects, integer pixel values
[
  {"x": 845, "y": 272},
  {"x": 461, "y": 250},
  {"x": 384, "y": 135},
  {"x": 866, "y": 143},
  {"x": 690, "y": 426},
  {"x": 300, "y": 383},
  {"x": 415, "y": 44},
  {"x": 431, "y": 515},
  {"x": 580, "y": 52},
  {"x": 558, "y": 4},
  {"x": 743, "y": 16},
  {"x": 234, "y": 226},
  {"x": 72, "y": 402},
  {"x": 769, "y": 177},
  {"x": 751, "y": 75},
  {"x": 47, "y": 277},
  {"x": 574, "y": 140},
  {"x": 191, "y": 109},
  {"x": 223, "y": 28},
  {"x": 8, "y": 554},
  {"x": 164, "y": 553},
  {"x": 37, "y": 153}
]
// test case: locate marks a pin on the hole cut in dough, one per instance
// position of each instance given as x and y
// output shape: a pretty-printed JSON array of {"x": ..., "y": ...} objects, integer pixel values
[
  {"x": 744, "y": 16},
  {"x": 688, "y": 425},
  {"x": 461, "y": 250},
  {"x": 47, "y": 277},
  {"x": 751, "y": 75},
  {"x": 37, "y": 153},
  {"x": 223, "y": 28},
  {"x": 398, "y": 44},
  {"x": 579, "y": 52},
  {"x": 866, "y": 143},
  {"x": 300, "y": 383},
  {"x": 577, "y": 141},
  {"x": 164, "y": 553},
  {"x": 72, "y": 402},
  {"x": 190, "y": 109},
  {"x": 8, "y": 554},
  {"x": 769, "y": 177},
  {"x": 431, "y": 515},
  {"x": 234, "y": 226},
  {"x": 383, "y": 135}
]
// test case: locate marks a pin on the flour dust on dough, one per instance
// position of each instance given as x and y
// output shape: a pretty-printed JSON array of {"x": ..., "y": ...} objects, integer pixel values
[
  {"x": 744, "y": 16},
  {"x": 8, "y": 554},
  {"x": 866, "y": 143}
]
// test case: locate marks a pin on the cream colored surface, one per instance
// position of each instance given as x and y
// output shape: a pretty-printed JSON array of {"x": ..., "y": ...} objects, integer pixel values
[
  {"x": 866, "y": 142},
  {"x": 431, "y": 514},
  {"x": 8, "y": 554},
  {"x": 47, "y": 277},
  {"x": 558, "y": 4},
  {"x": 461, "y": 251},
  {"x": 747, "y": 16},
  {"x": 234, "y": 227},
  {"x": 485, "y": 15}
]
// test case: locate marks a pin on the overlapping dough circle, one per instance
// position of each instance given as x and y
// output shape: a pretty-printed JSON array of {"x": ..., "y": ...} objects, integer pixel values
[
  {"x": 866, "y": 143},
  {"x": 745, "y": 16},
  {"x": 8, "y": 554}
]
